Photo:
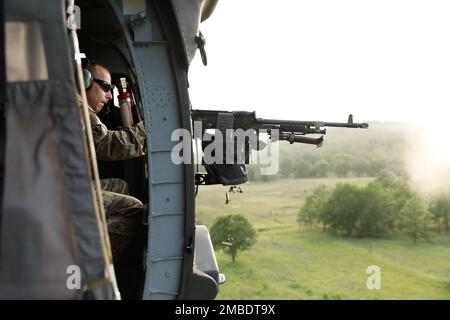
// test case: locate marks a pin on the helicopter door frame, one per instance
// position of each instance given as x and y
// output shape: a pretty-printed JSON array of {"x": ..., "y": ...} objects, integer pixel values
[{"x": 165, "y": 101}]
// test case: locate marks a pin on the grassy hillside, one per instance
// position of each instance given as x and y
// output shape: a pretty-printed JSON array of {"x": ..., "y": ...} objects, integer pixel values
[
  {"x": 265, "y": 204},
  {"x": 287, "y": 263}
]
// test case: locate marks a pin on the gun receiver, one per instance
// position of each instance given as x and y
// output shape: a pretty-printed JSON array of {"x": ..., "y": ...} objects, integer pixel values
[{"x": 289, "y": 130}]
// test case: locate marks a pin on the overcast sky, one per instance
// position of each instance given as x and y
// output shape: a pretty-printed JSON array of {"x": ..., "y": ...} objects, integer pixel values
[{"x": 383, "y": 60}]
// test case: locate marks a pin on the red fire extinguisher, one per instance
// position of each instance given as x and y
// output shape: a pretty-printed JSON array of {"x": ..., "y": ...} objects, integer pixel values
[{"x": 125, "y": 105}]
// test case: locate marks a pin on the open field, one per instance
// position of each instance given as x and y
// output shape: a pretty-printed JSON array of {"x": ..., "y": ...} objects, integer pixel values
[
  {"x": 271, "y": 204},
  {"x": 288, "y": 263}
]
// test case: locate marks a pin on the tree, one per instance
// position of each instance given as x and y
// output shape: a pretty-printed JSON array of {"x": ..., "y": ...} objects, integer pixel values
[
  {"x": 414, "y": 219},
  {"x": 377, "y": 212},
  {"x": 232, "y": 233},
  {"x": 341, "y": 210},
  {"x": 309, "y": 214},
  {"x": 311, "y": 157},
  {"x": 440, "y": 209},
  {"x": 286, "y": 167},
  {"x": 398, "y": 188},
  {"x": 375, "y": 166},
  {"x": 302, "y": 169},
  {"x": 321, "y": 168},
  {"x": 386, "y": 179},
  {"x": 361, "y": 167},
  {"x": 342, "y": 168}
]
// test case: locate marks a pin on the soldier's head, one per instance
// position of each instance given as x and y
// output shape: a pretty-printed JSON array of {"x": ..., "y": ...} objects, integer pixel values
[{"x": 99, "y": 92}]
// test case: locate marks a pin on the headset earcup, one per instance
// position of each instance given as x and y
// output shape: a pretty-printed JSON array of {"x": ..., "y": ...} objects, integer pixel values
[{"x": 87, "y": 77}]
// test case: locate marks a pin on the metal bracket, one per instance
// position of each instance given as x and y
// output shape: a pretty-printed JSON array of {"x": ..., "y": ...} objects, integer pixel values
[
  {"x": 200, "y": 40},
  {"x": 137, "y": 19},
  {"x": 141, "y": 29}
]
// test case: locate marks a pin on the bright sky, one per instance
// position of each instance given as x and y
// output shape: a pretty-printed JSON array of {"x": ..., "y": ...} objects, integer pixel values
[{"x": 383, "y": 60}]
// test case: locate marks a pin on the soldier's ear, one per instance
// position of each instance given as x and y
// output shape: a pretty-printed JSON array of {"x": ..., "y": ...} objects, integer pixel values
[{"x": 88, "y": 79}]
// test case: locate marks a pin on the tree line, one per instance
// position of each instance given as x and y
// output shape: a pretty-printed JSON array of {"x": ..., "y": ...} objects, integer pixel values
[
  {"x": 345, "y": 153},
  {"x": 385, "y": 207}
]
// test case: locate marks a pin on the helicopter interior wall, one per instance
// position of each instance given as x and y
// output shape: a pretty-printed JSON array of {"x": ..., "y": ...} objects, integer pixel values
[{"x": 101, "y": 41}]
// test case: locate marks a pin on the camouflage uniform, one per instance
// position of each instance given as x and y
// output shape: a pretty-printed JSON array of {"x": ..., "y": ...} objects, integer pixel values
[
  {"x": 115, "y": 185},
  {"x": 124, "y": 214},
  {"x": 111, "y": 145}
]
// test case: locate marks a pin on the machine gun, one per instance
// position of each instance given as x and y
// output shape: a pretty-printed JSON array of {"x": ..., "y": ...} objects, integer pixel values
[{"x": 288, "y": 130}]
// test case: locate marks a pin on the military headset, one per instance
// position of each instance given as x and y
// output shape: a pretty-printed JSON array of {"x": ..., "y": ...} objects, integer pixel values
[
  {"x": 87, "y": 78},
  {"x": 87, "y": 75}
]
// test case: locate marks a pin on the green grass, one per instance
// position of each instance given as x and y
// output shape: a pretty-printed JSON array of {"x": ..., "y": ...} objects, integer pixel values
[
  {"x": 267, "y": 205},
  {"x": 287, "y": 263}
]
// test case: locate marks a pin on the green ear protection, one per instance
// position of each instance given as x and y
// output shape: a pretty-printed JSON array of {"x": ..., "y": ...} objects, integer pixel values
[{"x": 88, "y": 79}]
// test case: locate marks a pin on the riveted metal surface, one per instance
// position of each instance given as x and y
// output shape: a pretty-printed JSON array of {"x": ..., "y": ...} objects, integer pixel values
[{"x": 166, "y": 180}]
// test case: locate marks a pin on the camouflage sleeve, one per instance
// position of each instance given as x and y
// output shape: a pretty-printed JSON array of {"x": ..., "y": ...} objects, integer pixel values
[{"x": 112, "y": 145}]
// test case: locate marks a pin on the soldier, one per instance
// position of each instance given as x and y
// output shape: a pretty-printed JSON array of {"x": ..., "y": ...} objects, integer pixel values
[
  {"x": 124, "y": 213},
  {"x": 111, "y": 145}
]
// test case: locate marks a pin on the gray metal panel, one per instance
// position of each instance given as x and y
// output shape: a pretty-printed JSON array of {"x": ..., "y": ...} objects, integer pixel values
[
  {"x": 168, "y": 201},
  {"x": 166, "y": 180},
  {"x": 204, "y": 253},
  {"x": 161, "y": 176}
]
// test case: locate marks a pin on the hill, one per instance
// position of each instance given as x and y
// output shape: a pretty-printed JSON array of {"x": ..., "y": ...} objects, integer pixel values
[{"x": 289, "y": 263}]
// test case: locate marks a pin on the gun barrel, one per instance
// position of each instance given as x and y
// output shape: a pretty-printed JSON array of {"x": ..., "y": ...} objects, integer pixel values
[
  {"x": 316, "y": 124},
  {"x": 247, "y": 120},
  {"x": 346, "y": 125}
]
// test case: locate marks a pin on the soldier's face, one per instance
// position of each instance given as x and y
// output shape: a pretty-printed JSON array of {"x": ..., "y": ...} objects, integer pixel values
[{"x": 96, "y": 96}]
